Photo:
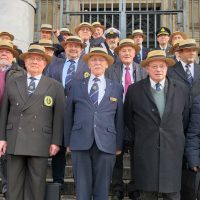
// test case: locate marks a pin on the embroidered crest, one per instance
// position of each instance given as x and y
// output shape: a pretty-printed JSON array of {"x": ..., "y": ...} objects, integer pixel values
[{"x": 48, "y": 101}]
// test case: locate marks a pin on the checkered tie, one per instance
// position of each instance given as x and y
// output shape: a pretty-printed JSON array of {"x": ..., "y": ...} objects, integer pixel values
[
  {"x": 31, "y": 86},
  {"x": 94, "y": 92},
  {"x": 70, "y": 72},
  {"x": 189, "y": 74},
  {"x": 158, "y": 87}
]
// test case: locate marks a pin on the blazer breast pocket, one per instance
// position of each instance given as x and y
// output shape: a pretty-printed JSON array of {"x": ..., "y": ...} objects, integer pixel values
[
  {"x": 76, "y": 128},
  {"x": 9, "y": 127}
]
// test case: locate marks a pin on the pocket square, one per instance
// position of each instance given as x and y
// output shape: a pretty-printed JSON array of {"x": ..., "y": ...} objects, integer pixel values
[{"x": 113, "y": 99}]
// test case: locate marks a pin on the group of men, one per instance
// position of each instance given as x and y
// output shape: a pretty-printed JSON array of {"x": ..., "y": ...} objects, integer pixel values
[{"x": 97, "y": 97}]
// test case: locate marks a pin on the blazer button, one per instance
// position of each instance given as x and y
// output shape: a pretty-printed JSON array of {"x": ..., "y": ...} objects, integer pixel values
[
  {"x": 35, "y": 116},
  {"x": 17, "y": 104},
  {"x": 153, "y": 110},
  {"x": 21, "y": 115},
  {"x": 33, "y": 129},
  {"x": 95, "y": 126},
  {"x": 20, "y": 128}
]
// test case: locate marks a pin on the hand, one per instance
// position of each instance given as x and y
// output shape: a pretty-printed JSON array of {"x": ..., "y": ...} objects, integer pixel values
[
  {"x": 3, "y": 145},
  {"x": 118, "y": 152},
  {"x": 68, "y": 150},
  {"x": 56, "y": 32},
  {"x": 195, "y": 169},
  {"x": 54, "y": 149}
]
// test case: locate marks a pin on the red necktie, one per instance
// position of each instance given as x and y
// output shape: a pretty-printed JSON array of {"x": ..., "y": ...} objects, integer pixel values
[{"x": 127, "y": 78}]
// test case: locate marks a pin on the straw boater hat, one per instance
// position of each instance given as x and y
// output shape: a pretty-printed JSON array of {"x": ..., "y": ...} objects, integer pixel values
[
  {"x": 138, "y": 32},
  {"x": 188, "y": 43},
  {"x": 99, "y": 51},
  {"x": 46, "y": 27},
  {"x": 84, "y": 24},
  {"x": 157, "y": 55},
  {"x": 184, "y": 36},
  {"x": 174, "y": 48},
  {"x": 38, "y": 50},
  {"x": 74, "y": 39},
  {"x": 46, "y": 43},
  {"x": 8, "y": 45},
  {"x": 8, "y": 34},
  {"x": 127, "y": 42},
  {"x": 98, "y": 24},
  {"x": 65, "y": 30}
]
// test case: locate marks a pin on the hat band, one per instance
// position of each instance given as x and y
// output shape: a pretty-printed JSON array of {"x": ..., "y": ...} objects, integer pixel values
[
  {"x": 46, "y": 44},
  {"x": 74, "y": 40},
  {"x": 36, "y": 51},
  {"x": 97, "y": 51},
  {"x": 188, "y": 45},
  {"x": 48, "y": 29},
  {"x": 126, "y": 43},
  {"x": 157, "y": 56},
  {"x": 6, "y": 46}
]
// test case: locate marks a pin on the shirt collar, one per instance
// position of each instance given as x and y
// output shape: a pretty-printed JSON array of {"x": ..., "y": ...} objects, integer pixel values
[
  {"x": 5, "y": 68},
  {"x": 130, "y": 66},
  {"x": 76, "y": 60},
  {"x": 153, "y": 83},
  {"x": 38, "y": 77},
  {"x": 101, "y": 78},
  {"x": 183, "y": 64}
]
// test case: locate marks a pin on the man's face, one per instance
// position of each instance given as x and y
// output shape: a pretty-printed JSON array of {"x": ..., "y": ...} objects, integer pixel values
[
  {"x": 112, "y": 42},
  {"x": 49, "y": 51},
  {"x": 163, "y": 39},
  {"x": 35, "y": 64},
  {"x": 176, "y": 38},
  {"x": 85, "y": 33},
  {"x": 65, "y": 36},
  {"x": 138, "y": 39},
  {"x": 127, "y": 54},
  {"x": 6, "y": 57},
  {"x": 97, "y": 65},
  {"x": 188, "y": 55},
  {"x": 45, "y": 35},
  {"x": 98, "y": 32},
  {"x": 157, "y": 70},
  {"x": 73, "y": 50},
  {"x": 5, "y": 37}
]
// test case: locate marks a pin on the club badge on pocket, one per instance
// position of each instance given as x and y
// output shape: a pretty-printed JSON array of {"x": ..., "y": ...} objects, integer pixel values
[
  {"x": 48, "y": 101},
  {"x": 113, "y": 99}
]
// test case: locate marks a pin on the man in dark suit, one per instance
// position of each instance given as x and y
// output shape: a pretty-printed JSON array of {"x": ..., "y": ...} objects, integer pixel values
[
  {"x": 124, "y": 72},
  {"x": 138, "y": 37},
  {"x": 188, "y": 72},
  {"x": 94, "y": 128},
  {"x": 60, "y": 70},
  {"x": 31, "y": 126},
  {"x": 163, "y": 35},
  {"x": 155, "y": 111},
  {"x": 8, "y": 71}
]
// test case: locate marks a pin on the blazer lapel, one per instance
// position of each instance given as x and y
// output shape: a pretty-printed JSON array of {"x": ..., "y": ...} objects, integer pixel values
[
  {"x": 180, "y": 71},
  {"x": 118, "y": 72},
  {"x": 43, "y": 85},
  {"x": 22, "y": 87}
]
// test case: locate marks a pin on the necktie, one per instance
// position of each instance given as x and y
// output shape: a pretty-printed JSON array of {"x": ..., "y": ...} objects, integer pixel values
[
  {"x": 127, "y": 78},
  {"x": 31, "y": 86},
  {"x": 70, "y": 72},
  {"x": 189, "y": 74},
  {"x": 158, "y": 87},
  {"x": 94, "y": 92}
]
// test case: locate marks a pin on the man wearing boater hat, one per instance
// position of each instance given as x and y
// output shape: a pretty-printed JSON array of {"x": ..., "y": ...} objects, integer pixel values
[
  {"x": 8, "y": 71},
  {"x": 188, "y": 72},
  {"x": 31, "y": 126},
  {"x": 94, "y": 127},
  {"x": 155, "y": 111}
]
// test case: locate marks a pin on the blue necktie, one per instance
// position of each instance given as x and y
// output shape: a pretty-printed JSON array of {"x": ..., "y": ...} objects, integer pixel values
[
  {"x": 189, "y": 74},
  {"x": 31, "y": 86},
  {"x": 158, "y": 87},
  {"x": 94, "y": 92},
  {"x": 70, "y": 72}
]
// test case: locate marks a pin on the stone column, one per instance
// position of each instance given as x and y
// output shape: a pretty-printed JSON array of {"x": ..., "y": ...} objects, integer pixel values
[{"x": 17, "y": 17}]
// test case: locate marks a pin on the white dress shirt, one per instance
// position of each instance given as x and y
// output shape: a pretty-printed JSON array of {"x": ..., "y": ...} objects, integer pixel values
[
  {"x": 153, "y": 84},
  {"x": 38, "y": 77}
]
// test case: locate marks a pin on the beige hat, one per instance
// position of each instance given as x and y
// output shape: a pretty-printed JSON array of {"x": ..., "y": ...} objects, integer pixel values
[
  {"x": 184, "y": 36},
  {"x": 98, "y": 24},
  {"x": 175, "y": 47},
  {"x": 46, "y": 27},
  {"x": 99, "y": 51},
  {"x": 36, "y": 49},
  {"x": 65, "y": 30},
  {"x": 84, "y": 24},
  {"x": 8, "y": 45},
  {"x": 188, "y": 43},
  {"x": 74, "y": 39},
  {"x": 46, "y": 43},
  {"x": 127, "y": 42},
  {"x": 8, "y": 34},
  {"x": 138, "y": 32},
  {"x": 157, "y": 55}
]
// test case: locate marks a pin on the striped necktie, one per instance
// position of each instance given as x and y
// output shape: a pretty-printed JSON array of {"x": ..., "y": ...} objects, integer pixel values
[
  {"x": 189, "y": 74},
  {"x": 158, "y": 87},
  {"x": 31, "y": 87},
  {"x": 94, "y": 92},
  {"x": 70, "y": 72}
]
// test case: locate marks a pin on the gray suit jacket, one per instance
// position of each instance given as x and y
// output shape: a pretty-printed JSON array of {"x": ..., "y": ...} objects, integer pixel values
[{"x": 30, "y": 124}]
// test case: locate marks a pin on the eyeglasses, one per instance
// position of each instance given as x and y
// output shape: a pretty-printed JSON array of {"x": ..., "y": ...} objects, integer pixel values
[{"x": 38, "y": 59}]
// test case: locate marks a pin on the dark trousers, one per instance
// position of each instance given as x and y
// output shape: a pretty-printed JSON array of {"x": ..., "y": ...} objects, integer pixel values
[
  {"x": 92, "y": 173},
  {"x": 154, "y": 196},
  {"x": 58, "y": 166},
  {"x": 3, "y": 169},
  {"x": 26, "y": 177}
]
